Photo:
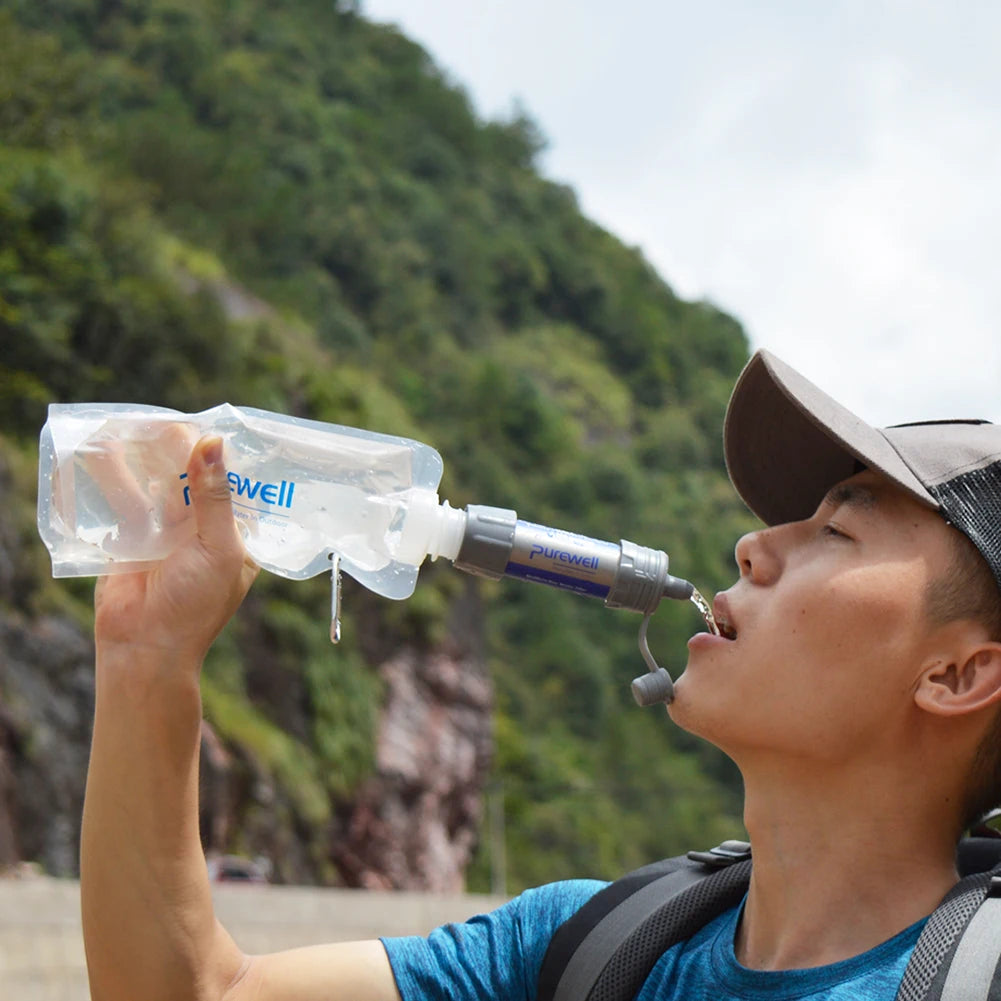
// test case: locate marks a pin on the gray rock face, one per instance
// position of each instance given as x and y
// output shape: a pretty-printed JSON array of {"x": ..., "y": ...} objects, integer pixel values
[
  {"x": 46, "y": 709},
  {"x": 414, "y": 823},
  {"x": 411, "y": 825}
]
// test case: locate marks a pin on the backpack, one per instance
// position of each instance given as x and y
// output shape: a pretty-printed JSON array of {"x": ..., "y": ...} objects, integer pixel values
[{"x": 606, "y": 950}]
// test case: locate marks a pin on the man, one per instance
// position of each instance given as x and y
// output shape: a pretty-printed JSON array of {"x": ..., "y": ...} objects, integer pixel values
[{"x": 857, "y": 685}]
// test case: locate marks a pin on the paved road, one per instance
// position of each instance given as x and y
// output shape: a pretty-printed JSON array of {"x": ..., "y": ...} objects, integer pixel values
[{"x": 41, "y": 948}]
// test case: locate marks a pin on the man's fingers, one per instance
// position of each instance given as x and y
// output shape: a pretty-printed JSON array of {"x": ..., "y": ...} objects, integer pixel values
[
  {"x": 105, "y": 462},
  {"x": 210, "y": 495},
  {"x": 175, "y": 443}
]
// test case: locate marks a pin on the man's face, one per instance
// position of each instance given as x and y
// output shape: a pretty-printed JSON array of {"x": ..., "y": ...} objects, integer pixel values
[{"x": 831, "y": 630}]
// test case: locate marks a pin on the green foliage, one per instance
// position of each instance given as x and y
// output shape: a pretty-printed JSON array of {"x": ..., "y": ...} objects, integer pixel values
[
  {"x": 86, "y": 308},
  {"x": 289, "y": 207},
  {"x": 275, "y": 754},
  {"x": 340, "y": 692},
  {"x": 46, "y": 95}
]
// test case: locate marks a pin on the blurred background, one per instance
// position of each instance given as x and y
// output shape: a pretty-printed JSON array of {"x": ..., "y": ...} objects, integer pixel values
[
  {"x": 515, "y": 232},
  {"x": 292, "y": 207},
  {"x": 825, "y": 171}
]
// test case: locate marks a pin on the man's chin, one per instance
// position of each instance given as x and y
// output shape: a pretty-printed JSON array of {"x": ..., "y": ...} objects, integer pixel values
[
  {"x": 692, "y": 711},
  {"x": 680, "y": 709}
]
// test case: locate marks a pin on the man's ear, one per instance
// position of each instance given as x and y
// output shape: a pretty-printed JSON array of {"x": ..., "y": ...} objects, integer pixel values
[{"x": 962, "y": 685}]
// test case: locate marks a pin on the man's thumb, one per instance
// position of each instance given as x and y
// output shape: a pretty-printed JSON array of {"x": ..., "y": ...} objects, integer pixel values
[{"x": 210, "y": 493}]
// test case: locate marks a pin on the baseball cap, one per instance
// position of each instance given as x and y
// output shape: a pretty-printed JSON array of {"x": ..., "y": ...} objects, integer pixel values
[{"x": 787, "y": 443}]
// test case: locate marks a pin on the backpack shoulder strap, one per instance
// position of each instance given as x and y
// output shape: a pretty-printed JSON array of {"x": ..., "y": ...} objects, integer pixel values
[
  {"x": 607, "y": 949},
  {"x": 958, "y": 954},
  {"x": 976, "y": 965},
  {"x": 978, "y": 854}
]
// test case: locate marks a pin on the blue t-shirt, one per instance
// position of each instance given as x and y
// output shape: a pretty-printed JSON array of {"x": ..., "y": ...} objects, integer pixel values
[{"x": 497, "y": 957}]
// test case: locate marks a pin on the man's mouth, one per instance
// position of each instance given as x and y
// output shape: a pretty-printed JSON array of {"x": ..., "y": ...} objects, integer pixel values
[
  {"x": 726, "y": 630},
  {"x": 724, "y": 620}
]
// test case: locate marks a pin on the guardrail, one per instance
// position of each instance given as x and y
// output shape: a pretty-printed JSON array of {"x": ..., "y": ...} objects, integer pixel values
[{"x": 41, "y": 944}]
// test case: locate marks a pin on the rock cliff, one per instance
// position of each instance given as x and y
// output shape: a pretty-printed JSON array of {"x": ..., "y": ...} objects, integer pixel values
[{"x": 410, "y": 824}]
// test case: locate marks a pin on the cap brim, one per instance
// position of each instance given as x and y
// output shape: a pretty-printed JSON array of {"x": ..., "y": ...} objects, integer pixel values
[{"x": 787, "y": 443}]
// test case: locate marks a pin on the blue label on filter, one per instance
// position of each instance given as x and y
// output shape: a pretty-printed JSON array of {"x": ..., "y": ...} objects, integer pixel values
[
  {"x": 587, "y": 564},
  {"x": 562, "y": 559},
  {"x": 577, "y": 584}
]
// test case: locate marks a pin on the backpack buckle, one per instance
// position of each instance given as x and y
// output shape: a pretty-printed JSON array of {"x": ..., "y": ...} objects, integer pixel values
[
  {"x": 994, "y": 887},
  {"x": 728, "y": 853}
]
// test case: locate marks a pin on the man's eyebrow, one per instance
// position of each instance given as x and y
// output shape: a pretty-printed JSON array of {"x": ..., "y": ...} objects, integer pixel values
[{"x": 852, "y": 494}]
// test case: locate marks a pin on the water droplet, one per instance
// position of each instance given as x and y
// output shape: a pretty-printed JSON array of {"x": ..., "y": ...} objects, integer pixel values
[{"x": 707, "y": 613}]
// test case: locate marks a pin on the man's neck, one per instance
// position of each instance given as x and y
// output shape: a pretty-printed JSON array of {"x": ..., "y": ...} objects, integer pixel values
[{"x": 838, "y": 870}]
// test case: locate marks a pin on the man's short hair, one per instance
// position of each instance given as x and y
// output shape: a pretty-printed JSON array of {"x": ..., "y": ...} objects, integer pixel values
[{"x": 967, "y": 590}]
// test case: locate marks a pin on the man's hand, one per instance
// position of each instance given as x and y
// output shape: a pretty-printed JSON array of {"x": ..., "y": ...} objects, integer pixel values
[
  {"x": 149, "y": 927},
  {"x": 184, "y": 602}
]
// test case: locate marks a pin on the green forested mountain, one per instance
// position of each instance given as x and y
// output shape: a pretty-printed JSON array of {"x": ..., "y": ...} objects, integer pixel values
[{"x": 287, "y": 206}]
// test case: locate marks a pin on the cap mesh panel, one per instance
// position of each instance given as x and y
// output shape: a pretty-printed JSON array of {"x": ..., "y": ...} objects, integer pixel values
[{"x": 972, "y": 502}]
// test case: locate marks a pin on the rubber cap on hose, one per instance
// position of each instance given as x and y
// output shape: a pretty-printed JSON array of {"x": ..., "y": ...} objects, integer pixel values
[{"x": 653, "y": 687}]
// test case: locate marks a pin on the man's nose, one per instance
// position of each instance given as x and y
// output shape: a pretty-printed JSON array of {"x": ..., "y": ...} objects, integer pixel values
[{"x": 758, "y": 556}]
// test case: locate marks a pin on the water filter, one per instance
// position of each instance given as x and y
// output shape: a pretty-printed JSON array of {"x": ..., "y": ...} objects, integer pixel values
[
  {"x": 496, "y": 543},
  {"x": 310, "y": 498},
  {"x": 112, "y": 497}
]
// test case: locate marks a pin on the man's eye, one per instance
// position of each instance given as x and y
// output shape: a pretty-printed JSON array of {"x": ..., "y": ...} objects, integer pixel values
[{"x": 834, "y": 531}]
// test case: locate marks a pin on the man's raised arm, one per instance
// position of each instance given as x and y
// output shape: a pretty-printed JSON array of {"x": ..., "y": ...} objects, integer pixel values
[{"x": 149, "y": 927}]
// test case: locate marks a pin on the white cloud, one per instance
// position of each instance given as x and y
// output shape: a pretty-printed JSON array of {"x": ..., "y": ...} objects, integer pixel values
[{"x": 827, "y": 174}]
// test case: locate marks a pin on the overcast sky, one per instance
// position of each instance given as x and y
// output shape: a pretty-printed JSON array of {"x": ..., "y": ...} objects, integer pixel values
[{"x": 830, "y": 173}]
